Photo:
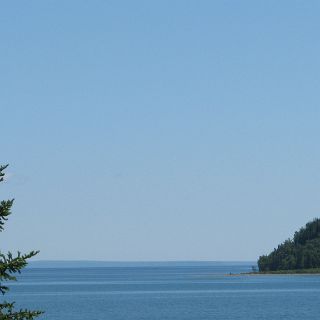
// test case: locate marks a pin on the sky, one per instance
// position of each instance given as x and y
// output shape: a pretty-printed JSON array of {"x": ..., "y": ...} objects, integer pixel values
[{"x": 159, "y": 130}]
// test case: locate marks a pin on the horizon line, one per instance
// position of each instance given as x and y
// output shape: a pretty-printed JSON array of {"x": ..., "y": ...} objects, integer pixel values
[{"x": 132, "y": 261}]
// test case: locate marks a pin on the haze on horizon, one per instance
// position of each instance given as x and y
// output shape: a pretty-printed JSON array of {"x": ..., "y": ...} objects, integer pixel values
[{"x": 171, "y": 130}]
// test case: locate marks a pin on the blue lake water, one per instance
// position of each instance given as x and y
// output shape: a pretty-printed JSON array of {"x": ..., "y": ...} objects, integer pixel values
[{"x": 195, "y": 291}]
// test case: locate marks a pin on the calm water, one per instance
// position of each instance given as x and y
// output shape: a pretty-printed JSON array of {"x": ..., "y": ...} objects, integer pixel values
[{"x": 166, "y": 292}]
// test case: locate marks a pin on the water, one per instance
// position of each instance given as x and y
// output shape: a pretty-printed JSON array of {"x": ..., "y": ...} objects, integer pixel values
[{"x": 202, "y": 291}]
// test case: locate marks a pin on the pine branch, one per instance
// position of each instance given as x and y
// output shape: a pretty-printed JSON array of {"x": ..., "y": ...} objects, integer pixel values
[
  {"x": 2, "y": 168},
  {"x": 9, "y": 265},
  {"x": 5, "y": 211},
  {"x": 7, "y": 312}
]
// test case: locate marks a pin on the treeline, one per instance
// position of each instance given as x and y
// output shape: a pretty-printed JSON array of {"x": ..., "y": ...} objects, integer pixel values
[{"x": 301, "y": 252}]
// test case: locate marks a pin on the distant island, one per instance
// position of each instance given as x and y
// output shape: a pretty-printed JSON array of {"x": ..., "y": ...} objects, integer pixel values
[{"x": 301, "y": 254}]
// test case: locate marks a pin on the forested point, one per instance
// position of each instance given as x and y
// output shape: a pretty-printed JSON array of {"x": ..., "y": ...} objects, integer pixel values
[{"x": 301, "y": 252}]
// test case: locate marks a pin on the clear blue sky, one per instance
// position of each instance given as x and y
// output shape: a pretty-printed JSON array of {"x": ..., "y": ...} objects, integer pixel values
[{"x": 159, "y": 130}]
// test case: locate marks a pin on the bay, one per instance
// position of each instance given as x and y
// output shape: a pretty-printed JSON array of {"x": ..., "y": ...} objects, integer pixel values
[{"x": 207, "y": 290}]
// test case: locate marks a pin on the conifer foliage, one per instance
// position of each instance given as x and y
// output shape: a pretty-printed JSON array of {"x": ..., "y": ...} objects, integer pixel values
[
  {"x": 299, "y": 253},
  {"x": 11, "y": 265}
]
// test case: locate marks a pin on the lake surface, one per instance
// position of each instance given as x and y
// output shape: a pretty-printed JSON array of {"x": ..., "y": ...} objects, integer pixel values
[{"x": 173, "y": 291}]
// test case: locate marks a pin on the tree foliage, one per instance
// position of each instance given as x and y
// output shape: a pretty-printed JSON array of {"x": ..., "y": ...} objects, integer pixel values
[
  {"x": 11, "y": 265},
  {"x": 301, "y": 252}
]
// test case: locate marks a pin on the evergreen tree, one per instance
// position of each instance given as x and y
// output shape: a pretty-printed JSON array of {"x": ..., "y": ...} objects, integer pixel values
[{"x": 10, "y": 265}]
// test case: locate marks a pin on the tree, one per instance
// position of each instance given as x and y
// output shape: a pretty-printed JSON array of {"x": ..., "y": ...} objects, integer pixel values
[
  {"x": 10, "y": 265},
  {"x": 300, "y": 252}
]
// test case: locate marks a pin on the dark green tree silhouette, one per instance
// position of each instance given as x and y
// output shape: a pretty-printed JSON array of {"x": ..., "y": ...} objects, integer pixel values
[
  {"x": 300, "y": 252},
  {"x": 11, "y": 265}
]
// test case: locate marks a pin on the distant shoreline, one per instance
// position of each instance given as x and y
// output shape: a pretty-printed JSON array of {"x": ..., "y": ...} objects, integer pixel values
[
  {"x": 315, "y": 271},
  {"x": 96, "y": 264}
]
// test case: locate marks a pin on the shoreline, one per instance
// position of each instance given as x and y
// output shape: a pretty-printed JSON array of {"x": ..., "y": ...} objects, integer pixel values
[
  {"x": 302, "y": 272},
  {"x": 270, "y": 274}
]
